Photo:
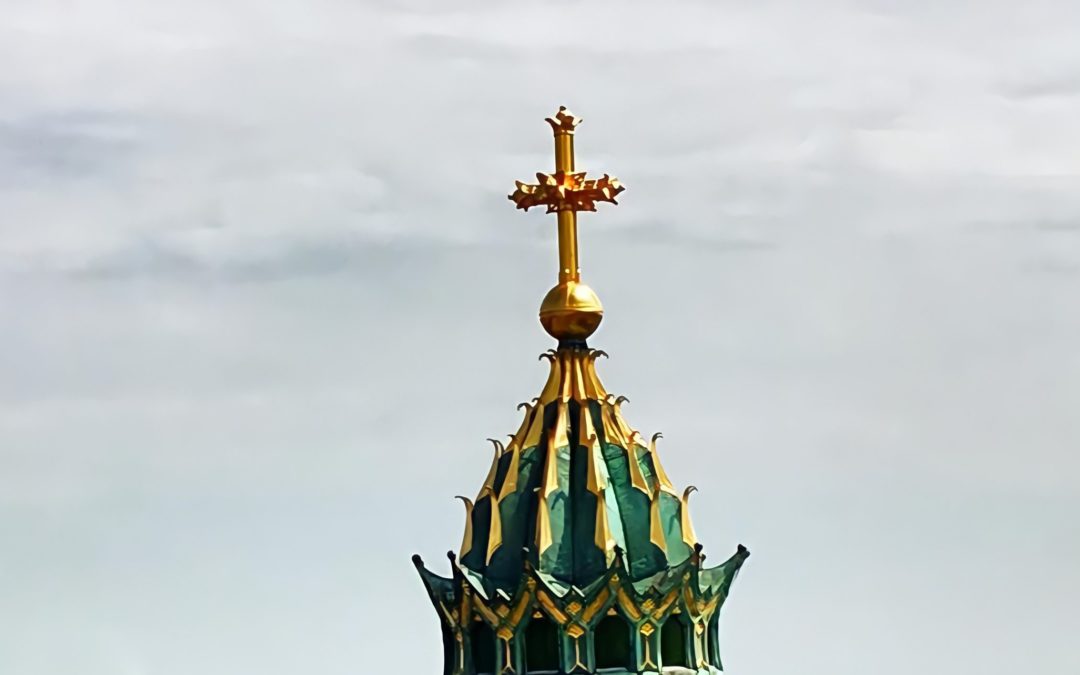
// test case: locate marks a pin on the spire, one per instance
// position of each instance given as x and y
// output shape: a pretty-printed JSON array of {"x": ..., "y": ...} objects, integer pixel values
[
  {"x": 570, "y": 311},
  {"x": 578, "y": 553}
]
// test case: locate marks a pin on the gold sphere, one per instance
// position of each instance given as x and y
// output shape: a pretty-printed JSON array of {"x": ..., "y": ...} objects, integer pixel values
[{"x": 571, "y": 311}]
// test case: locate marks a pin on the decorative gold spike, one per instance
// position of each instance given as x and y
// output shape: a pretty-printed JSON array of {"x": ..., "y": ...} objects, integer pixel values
[
  {"x": 665, "y": 482},
  {"x": 593, "y": 388},
  {"x": 489, "y": 482},
  {"x": 494, "y": 526},
  {"x": 564, "y": 122},
  {"x": 616, "y": 407},
  {"x": 466, "y": 540},
  {"x": 689, "y": 537}
]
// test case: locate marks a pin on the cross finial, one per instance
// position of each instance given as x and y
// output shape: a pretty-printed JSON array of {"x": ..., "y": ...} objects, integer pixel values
[{"x": 571, "y": 311}]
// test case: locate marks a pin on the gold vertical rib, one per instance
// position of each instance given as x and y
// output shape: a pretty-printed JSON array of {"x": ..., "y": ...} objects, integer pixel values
[
  {"x": 603, "y": 537},
  {"x": 466, "y": 539},
  {"x": 494, "y": 526},
  {"x": 489, "y": 482},
  {"x": 536, "y": 428},
  {"x": 551, "y": 388},
  {"x": 689, "y": 537}
]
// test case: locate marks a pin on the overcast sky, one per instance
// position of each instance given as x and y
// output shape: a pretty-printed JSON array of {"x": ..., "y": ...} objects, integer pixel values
[{"x": 262, "y": 298}]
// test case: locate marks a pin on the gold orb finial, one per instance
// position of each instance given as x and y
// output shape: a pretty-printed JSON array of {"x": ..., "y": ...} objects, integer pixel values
[{"x": 571, "y": 310}]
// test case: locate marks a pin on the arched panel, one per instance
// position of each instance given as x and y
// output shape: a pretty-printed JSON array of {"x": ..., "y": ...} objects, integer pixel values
[
  {"x": 611, "y": 643},
  {"x": 482, "y": 641},
  {"x": 674, "y": 645},
  {"x": 541, "y": 645}
]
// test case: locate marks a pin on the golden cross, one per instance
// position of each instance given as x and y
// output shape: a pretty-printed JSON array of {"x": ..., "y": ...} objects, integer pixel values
[{"x": 565, "y": 193}]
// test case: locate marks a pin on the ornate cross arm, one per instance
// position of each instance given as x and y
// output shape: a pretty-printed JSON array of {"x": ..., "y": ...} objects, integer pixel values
[{"x": 561, "y": 191}]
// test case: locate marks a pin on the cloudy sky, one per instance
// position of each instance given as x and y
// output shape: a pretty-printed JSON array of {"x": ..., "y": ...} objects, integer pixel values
[{"x": 262, "y": 298}]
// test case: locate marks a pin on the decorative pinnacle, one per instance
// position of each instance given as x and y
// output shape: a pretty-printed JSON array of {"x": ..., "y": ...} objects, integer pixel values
[
  {"x": 571, "y": 310},
  {"x": 564, "y": 121},
  {"x": 565, "y": 189}
]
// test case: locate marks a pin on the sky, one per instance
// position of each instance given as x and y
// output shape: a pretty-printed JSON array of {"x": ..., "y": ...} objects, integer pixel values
[{"x": 262, "y": 298}]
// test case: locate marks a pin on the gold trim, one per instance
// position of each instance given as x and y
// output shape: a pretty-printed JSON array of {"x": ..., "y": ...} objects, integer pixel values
[
  {"x": 466, "y": 539},
  {"x": 536, "y": 428},
  {"x": 627, "y": 604},
  {"x": 594, "y": 389},
  {"x": 647, "y": 630},
  {"x": 551, "y": 389},
  {"x": 520, "y": 610},
  {"x": 577, "y": 647},
  {"x": 689, "y": 537},
  {"x": 551, "y": 608},
  {"x": 508, "y": 657},
  {"x": 603, "y": 538},
  {"x": 489, "y": 482},
  {"x": 665, "y": 604},
  {"x": 596, "y": 605},
  {"x": 625, "y": 429},
  {"x": 460, "y": 639},
  {"x": 485, "y": 611}
]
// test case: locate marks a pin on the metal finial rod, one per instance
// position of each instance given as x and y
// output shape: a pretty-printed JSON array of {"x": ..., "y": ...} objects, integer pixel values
[{"x": 570, "y": 310}]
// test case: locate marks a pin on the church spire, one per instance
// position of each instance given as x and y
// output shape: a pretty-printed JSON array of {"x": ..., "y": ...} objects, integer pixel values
[
  {"x": 571, "y": 311},
  {"x": 578, "y": 555}
]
